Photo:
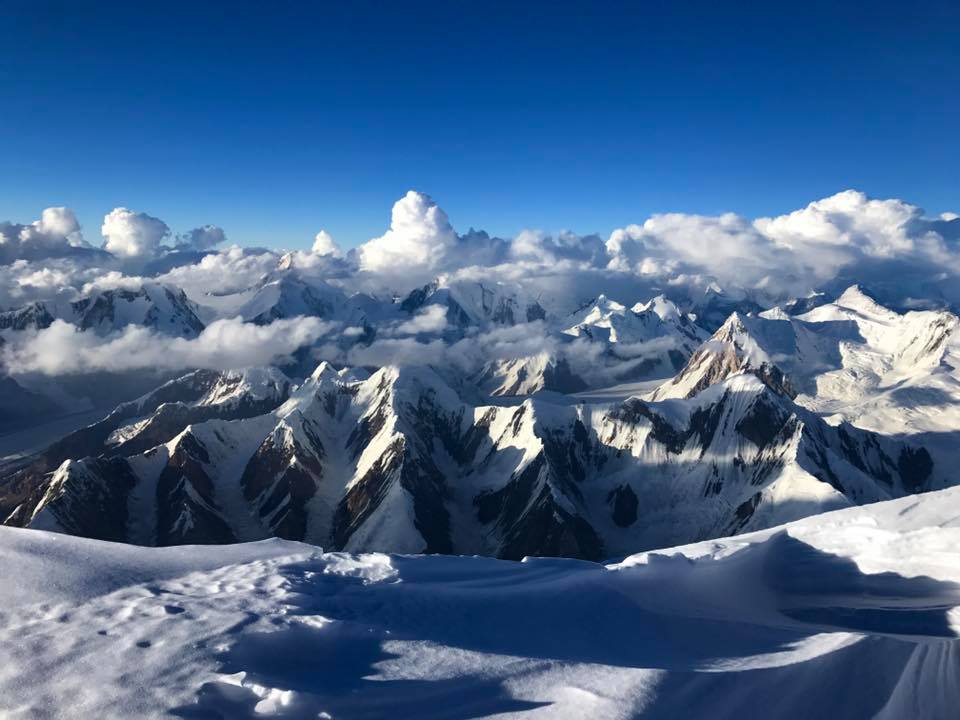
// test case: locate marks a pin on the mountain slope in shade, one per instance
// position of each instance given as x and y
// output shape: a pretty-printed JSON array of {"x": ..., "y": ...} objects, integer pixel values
[
  {"x": 899, "y": 375},
  {"x": 164, "y": 308},
  {"x": 889, "y": 372},
  {"x": 655, "y": 335},
  {"x": 474, "y": 303},
  {"x": 649, "y": 341},
  {"x": 287, "y": 295},
  {"x": 154, "y": 418},
  {"x": 398, "y": 462},
  {"x": 779, "y": 350},
  {"x": 847, "y": 615},
  {"x": 528, "y": 375}
]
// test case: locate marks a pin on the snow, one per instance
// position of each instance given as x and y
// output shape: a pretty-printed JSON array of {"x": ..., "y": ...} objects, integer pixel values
[{"x": 849, "y": 614}]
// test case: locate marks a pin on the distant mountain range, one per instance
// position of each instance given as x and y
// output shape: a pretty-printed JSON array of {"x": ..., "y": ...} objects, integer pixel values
[{"x": 771, "y": 418}]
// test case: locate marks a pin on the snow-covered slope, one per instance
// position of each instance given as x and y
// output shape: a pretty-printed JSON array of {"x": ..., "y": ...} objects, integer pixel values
[
  {"x": 898, "y": 374},
  {"x": 398, "y": 462},
  {"x": 851, "y": 614},
  {"x": 527, "y": 376},
  {"x": 154, "y": 418},
  {"x": 654, "y": 338},
  {"x": 287, "y": 295},
  {"x": 853, "y": 358},
  {"x": 164, "y": 308},
  {"x": 782, "y": 351},
  {"x": 717, "y": 304},
  {"x": 474, "y": 303}
]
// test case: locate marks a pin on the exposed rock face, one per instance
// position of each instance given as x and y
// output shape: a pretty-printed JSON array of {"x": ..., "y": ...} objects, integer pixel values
[
  {"x": 528, "y": 375},
  {"x": 476, "y": 303},
  {"x": 34, "y": 316},
  {"x": 733, "y": 348},
  {"x": 164, "y": 308},
  {"x": 137, "y": 426},
  {"x": 397, "y": 462}
]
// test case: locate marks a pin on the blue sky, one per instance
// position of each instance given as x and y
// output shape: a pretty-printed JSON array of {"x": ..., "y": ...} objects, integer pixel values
[{"x": 274, "y": 120}]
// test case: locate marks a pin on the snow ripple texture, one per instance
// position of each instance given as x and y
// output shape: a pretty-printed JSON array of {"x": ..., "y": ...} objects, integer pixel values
[{"x": 850, "y": 614}]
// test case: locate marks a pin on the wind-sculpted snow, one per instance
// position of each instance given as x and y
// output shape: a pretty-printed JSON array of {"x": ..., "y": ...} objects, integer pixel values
[{"x": 851, "y": 614}]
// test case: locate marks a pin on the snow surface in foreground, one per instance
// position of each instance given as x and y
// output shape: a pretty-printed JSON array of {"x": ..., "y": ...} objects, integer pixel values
[{"x": 845, "y": 615}]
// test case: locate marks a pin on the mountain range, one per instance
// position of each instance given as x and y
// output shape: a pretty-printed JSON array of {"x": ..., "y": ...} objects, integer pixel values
[{"x": 771, "y": 418}]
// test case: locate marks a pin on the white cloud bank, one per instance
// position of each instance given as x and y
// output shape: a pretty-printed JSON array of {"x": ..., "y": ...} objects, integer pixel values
[
  {"x": 204, "y": 237},
  {"x": 419, "y": 237},
  {"x": 828, "y": 244},
  {"x": 56, "y": 234},
  {"x": 62, "y": 349},
  {"x": 129, "y": 234},
  {"x": 431, "y": 319},
  {"x": 324, "y": 244}
]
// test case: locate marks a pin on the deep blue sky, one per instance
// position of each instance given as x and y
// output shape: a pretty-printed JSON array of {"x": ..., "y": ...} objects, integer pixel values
[{"x": 276, "y": 119}]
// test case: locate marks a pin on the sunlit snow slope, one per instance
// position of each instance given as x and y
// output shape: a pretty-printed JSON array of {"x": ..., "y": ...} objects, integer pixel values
[{"x": 851, "y": 614}]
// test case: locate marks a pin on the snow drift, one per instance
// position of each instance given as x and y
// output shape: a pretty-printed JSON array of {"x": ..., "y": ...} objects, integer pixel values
[{"x": 851, "y": 614}]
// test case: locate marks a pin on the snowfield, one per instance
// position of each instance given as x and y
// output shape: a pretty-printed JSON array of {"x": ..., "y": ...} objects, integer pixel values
[{"x": 849, "y": 614}]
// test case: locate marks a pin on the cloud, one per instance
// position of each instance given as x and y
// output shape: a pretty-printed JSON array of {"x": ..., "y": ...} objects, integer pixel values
[
  {"x": 726, "y": 246},
  {"x": 468, "y": 354},
  {"x": 232, "y": 269},
  {"x": 58, "y": 222},
  {"x": 23, "y": 282},
  {"x": 847, "y": 235},
  {"x": 56, "y": 234},
  {"x": 204, "y": 237},
  {"x": 646, "y": 348},
  {"x": 419, "y": 238},
  {"x": 63, "y": 349},
  {"x": 826, "y": 245},
  {"x": 431, "y": 319},
  {"x": 544, "y": 248},
  {"x": 113, "y": 280},
  {"x": 324, "y": 244},
  {"x": 391, "y": 351},
  {"x": 130, "y": 234},
  {"x": 880, "y": 228},
  {"x": 471, "y": 354}
]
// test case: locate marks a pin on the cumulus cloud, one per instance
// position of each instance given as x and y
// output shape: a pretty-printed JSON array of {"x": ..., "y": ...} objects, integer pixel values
[
  {"x": 419, "y": 238},
  {"x": 56, "y": 234},
  {"x": 881, "y": 228},
  {"x": 63, "y": 349},
  {"x": 58, "y": 222},
  {"x": 23, "y": 282},
  {"x": 847, "y": 235},
  {"x": 130, "y": 234},
  {"x": 233, "y": 269},
  {"x": 204, "y": 237},
  {"x": 724, "y": 246},
  {"x": 542, "y": 247},
  {"x": 324, "y": 244},
  {"x": 826, "y": 245}
]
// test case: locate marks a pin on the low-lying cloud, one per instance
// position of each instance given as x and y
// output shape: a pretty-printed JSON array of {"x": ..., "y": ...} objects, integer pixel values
[{"x": 63, "y": 349}]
